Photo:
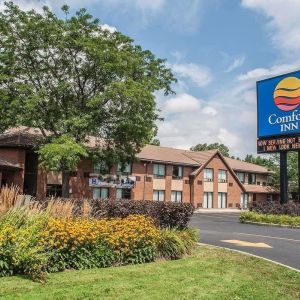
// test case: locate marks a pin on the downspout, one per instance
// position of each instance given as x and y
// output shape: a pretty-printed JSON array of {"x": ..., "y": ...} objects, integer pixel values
[{"x": 145, "y": 176}]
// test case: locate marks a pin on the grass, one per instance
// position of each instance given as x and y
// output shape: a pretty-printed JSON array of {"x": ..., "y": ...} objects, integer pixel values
[{"x": 209, "y": 273}]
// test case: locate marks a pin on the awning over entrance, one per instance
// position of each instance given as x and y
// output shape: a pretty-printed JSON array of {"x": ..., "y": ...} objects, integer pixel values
[{"x": 8, "y": 165}]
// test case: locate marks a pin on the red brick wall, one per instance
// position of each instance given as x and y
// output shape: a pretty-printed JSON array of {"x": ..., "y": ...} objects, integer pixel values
[{"x": 233, "y": 188}]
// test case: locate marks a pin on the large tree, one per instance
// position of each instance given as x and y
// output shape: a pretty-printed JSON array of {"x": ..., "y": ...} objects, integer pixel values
[
  {"x": 73, "y": 79},
  {"x": 215, "y": 146}
]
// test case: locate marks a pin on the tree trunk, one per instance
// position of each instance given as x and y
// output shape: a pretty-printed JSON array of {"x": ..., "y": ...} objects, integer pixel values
[{"x": 65, "y": 184}]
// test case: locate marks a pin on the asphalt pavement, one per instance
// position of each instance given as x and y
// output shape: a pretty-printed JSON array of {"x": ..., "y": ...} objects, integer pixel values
[{"x": 224, "y": 229}]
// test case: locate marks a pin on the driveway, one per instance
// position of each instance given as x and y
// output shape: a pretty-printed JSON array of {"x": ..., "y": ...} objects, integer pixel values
[{"x": 225, "y": 230}]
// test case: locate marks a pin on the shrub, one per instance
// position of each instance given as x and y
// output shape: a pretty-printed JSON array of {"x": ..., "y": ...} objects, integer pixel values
[
  {"x": 173, "y": 243},
  {"x": 165, "y": 214},
  {"x": 275, "y": 208},
  {"x": 268, "y": 218},
  {"x": 19, "y": 249}
]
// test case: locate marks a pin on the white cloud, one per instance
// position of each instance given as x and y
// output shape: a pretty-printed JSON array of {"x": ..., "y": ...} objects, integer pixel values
[
  {"x": 283, "y": 22},
  {"x": 111, "y": 29},
  {"x": 237, "y": 62},
  {"x": 198, "y": 74},
  {"x": 182, "y": 103},
  {"x": 211, "y": 111},
  {"x": 260, "y": 73}
]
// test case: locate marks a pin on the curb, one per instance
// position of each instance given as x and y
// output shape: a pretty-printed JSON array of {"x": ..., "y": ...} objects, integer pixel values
[
  {"x": 253, "y": 255},
  {"x": 270, "y": 224}
]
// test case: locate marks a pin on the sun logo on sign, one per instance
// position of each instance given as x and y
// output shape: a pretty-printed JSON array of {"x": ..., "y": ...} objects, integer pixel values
[{"x": 287, "y": 94}]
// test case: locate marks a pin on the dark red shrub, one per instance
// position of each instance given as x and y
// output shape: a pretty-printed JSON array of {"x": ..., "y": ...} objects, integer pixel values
[
  {"x": 165, "y": 214},
  {"x": 275, "y": 208}
]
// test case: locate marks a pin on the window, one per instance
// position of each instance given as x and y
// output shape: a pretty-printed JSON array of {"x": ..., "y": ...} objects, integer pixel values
[
  {"x": 208, "y": 200},
  {"x": 269, "y": 197},
  {"x": 177, "y": 172},
  {"x": 158, "y": 195},
  {"x": 123, "y": 194},
  {"x": 241, "y": 176},
  {"x": 252, "y": 178},
  {"x": 208, "y": 174},
  {"x": 101, "y": 168},
  {"x": 159, "y": 170},
  {"x": 244, "y": 200},
  {"x": 54, "y": 190},
  {"x": 222, "y": 176},
  {"x": 124, "y": 169},
  {"x": 176, "y": 196},
  {"x": 100, "y": 193},
  {"x": 222, "y": 200}
]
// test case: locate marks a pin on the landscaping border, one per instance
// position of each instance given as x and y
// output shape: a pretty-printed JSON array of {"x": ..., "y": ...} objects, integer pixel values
[
  {"x": 250, "y": 254},
  {"x": 270, "y": 224}
]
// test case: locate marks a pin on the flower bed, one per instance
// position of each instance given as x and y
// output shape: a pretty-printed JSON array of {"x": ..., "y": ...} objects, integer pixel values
[
  {"x": 293, "y": 221},
  {"x": 34, "y": 242}
]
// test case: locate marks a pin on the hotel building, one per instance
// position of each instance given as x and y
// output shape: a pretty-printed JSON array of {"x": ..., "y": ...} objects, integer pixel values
[{"x": 206, "y": 179}]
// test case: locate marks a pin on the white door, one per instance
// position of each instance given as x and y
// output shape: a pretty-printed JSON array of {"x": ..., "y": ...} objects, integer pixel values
[{"x": 208, "y": 200}]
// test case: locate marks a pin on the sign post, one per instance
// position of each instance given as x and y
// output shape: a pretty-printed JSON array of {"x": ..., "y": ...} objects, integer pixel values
[{"x": 278, "y": 122}]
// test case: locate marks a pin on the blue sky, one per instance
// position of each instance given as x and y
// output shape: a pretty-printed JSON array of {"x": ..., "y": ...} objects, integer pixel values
[{"x": 217, "y": 49}]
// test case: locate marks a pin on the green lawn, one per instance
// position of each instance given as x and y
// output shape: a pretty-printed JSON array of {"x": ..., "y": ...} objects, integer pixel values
[{"x": 209, "y": 273}]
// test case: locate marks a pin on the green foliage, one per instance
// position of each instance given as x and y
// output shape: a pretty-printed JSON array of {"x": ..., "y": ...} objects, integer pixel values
[
  {"x": 155, "y": 142},
  {"x": 20, "y": 252},
  {"x": 73, "y": 78},
  {"x": 173, "y": 243},
  {"x": 61, "y": 153},
  {"x": 215, "y": 146},
  {"x": 293, "y": 221}
]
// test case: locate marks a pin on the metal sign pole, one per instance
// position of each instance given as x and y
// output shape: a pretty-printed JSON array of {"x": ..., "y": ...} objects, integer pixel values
[{"x": 283, "y": 178}]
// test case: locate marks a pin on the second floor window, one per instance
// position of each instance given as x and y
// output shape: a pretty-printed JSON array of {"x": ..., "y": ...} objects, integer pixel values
[
  {"x": 101, "y": 168},
  {"x": 222, "y": 176},
  {"x": 124, "y": 169},
  {"x": 208, "y": 174},
  {"x": 159, "y": 170},
  {"x": 177, "y": 172},
  {"x": 251, "y": 178},
  {"x": 241, "y": 176}
]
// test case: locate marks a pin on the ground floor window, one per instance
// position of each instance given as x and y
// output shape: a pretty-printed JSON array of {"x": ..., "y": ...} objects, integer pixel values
[
  {"x": 244, "y": 200},
  {"x": 158, "y": 195},
  {"x": 176, "y": 196},
  {"x": 222, "y": 200},
  {"x": 123, "y": 193},
  {"x": 269, "y": 197},
  {"x": 100, "y": 193},
  {"x": 54, "y": 190},
  {"x": 208, "y": 200}
]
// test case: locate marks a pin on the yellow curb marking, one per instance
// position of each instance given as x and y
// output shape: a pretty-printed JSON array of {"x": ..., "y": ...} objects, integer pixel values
[{"x": 247, "y": 244}]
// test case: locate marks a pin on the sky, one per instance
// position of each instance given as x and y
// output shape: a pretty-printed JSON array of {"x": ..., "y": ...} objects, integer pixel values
[{"x": 217, "y": 50}]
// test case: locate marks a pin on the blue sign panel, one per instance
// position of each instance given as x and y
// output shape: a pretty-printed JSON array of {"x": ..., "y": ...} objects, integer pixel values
[{"x": 278, "y": 99}]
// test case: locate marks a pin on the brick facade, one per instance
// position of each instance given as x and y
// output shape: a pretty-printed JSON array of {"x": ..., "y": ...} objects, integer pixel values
[{"x": 192, "y": 185}]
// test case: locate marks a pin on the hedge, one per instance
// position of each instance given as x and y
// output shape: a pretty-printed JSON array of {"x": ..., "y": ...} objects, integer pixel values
[
  {"x": 164, "y": 214},
  {"x": 293, "y": 221},
  {"x": 275, "y": 208}
]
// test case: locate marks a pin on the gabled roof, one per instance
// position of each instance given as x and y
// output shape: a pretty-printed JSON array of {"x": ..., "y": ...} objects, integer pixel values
[
  {"x": 166, "y": 155},
  {"x": 239, "y": 165},
  {"x": 23, "y": 136}
]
